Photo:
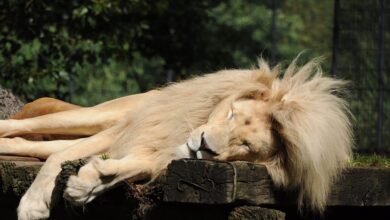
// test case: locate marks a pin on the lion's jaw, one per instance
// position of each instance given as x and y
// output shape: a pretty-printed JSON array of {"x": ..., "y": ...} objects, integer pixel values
[{"x": 236, "y": 130}]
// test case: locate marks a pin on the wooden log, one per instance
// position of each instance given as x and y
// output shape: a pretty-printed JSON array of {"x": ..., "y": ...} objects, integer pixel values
[
  {"x": 211, "y": 182},
  {"x": 362, "y": 186}
]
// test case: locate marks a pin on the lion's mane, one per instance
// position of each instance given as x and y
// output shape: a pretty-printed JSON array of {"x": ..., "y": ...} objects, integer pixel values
[{"x": 313, "y": 124}]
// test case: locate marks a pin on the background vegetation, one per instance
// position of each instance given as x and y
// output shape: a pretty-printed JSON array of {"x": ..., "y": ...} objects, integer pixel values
[{"x": 91, "y": 51}]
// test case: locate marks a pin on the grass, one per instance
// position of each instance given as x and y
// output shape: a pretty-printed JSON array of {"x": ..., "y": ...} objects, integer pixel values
[
  {"x": 104, "y": 156},
  {"x": 372, "y": 160}
]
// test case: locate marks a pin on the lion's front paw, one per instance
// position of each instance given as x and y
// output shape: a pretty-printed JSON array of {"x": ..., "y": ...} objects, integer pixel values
[
  {"x": 84, "y": 187},
  {"x": 80, "y": 191},
  {"x": 32, "y": 208}
]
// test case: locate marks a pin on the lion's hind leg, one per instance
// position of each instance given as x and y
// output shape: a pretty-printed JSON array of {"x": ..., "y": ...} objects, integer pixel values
[
  {"x": 84, "y": 121},
  {"x": 81, "y": 121},
  {"x": 43, "y": 106},
  {"x": 98, "y": 175},
  {"x": 41, "y": 149}
]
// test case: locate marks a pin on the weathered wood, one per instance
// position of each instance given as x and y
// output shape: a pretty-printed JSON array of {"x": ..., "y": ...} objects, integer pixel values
[
  {"x": 211, "y": 182},
  {"x": 365, "y": 186}
]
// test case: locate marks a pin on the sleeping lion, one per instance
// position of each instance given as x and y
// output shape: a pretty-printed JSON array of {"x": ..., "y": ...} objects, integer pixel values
[{"x": 296, "y": 125}]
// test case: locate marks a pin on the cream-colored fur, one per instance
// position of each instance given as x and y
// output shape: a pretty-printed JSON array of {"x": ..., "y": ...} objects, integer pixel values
[{"x": 296, "y": 125}]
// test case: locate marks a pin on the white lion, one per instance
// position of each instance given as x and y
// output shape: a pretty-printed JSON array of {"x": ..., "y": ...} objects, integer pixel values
[{"x": 296, "y": 125}]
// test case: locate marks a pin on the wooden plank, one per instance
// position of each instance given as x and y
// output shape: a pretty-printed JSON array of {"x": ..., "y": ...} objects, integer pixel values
[
  {"x": 365, "y": 186},
  {"x": 211, "y": 182}
]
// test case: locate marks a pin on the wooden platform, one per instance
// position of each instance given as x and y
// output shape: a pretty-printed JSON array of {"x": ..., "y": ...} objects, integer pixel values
[{"x": 191, "y": 188}]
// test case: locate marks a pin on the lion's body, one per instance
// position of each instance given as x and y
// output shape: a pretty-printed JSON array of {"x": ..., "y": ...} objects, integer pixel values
[
  {"x": 175, "y": 111},
  {"x": 229, "y": 115}
]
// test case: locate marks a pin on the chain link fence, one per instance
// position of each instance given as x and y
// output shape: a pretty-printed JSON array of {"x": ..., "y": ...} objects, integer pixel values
[{"x": 361, "y": 54}]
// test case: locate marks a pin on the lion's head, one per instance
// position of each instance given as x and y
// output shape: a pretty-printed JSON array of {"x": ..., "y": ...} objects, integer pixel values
[
  {"x": 296, "y": 125},
  {"x": 238, "y": 129}
]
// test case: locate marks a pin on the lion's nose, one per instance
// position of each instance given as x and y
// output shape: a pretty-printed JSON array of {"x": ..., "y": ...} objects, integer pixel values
[{"x": 205, "y": 147}]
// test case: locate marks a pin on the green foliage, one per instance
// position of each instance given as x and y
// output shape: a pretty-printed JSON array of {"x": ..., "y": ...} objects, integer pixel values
[
  {"x": 94, "y": 50},
  {"x": 49, "y": 46}
]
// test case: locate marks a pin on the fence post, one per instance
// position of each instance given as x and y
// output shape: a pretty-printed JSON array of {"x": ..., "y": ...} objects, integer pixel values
[
  {"x": 336, "y": 29},
  {"x": 273, "y": 33},
  {"x": 380, "y": 74}
]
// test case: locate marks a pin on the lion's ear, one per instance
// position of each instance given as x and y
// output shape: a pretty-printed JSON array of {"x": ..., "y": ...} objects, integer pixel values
[{"x": 256, "y": 94}]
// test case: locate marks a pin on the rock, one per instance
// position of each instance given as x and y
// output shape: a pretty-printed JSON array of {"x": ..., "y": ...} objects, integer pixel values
[{"x": 9, "y": 103}]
